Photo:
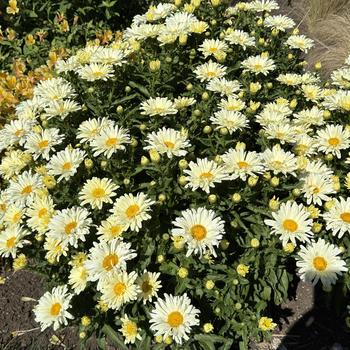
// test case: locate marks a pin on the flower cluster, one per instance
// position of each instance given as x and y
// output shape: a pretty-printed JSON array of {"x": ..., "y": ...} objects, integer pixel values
[{"x": 171, "y": 179}]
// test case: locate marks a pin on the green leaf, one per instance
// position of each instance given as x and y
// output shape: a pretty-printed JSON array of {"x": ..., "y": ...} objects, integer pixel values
[{"x": 113, "y": 336}]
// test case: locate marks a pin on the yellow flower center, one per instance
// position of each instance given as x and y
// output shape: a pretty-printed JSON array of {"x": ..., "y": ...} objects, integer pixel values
[
  {"x": 206, "y": 176},
  {"x": 119, "y": 288},
  {"x": 43, "y": 144},
  {"x": 42, "y": 212},
  {"x": 146, "y": 287},
  {"x": 169, "y": 144},
  {"x": 109, "y": 261},
  {"x": 10, "y": 243},
  {"x": 175, "y": 319},
  {"x": 242, "y": 165},
  {"x": 98, "y": 74},
  {"x": 132, "y": 211},
  {"x": 277, "y": 164},
  {"x": 115, "y": 230},
  {"x": 290, "y": 225},
  {"x": 333, "y": 141},
  {"x": 198, "y": 232},
  {"x": 55, "y": 309},
  {"x": 211, "y": 74},
  {"x": 320, "y": 263},
  {"x": 16, "y": 217},
  {"x": 67, "y": 166},
  {"x": 98, "y": 192},
  {"x": 131, "y": 328},
  {"x": 70, "y": 227},
  {"x": 257, "y": 66},
  {"x": 111, "y": 142},
  {"x": 316, "y": 190},
  {"x": 19, "y": 132},
  {"x": 213, "y": 49},
  {"x": 27, "y": 190},
  {"x": 345, "y": 217}
]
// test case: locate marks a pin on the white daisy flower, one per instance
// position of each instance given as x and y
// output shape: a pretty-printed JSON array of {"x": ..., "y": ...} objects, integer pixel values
[
  {"x": 239, "y": 37},
  {"x": 320, "y": 261},
  {"x": 13, "y": 214},
  {"x": 232, "y": 104},
  {"x": 40, "y": 144},
  {"x": 14, "y": 132},
  {"x": 279, "y": 22},
  {"x": 211, "y": 47},
  {"x": 264, "y": 5},
  {"x": 290, "y": 79},
  {"x": 317, "y": 188},
  {"x": 109, "y": 56},
  {"x": 129, "y": 330},
  {"x": 300, "y": 42},
  {"x": 305, "y": 145},
  {"x": 313, "y": 116},
  {"x": 333, "y": 139},
  {"x": 241, "y": 163},
  {"x": 64, "y": 164},
  {"x": 90, "y": 128},
  {"x": 110, "y": 140},
  {"x": 119, "y": 289},
  {"x": 106, "y": 258},
  {"x": 223, "y": 86},
  {"x": 149, "y": 284},
  {"x": 232, "y": 120},
  {"x": 318, "y": 168},
  {"x": 258, "y": 64},
  {"x": 96, "y": 71},
  {"x": 22, "y": 190},
  {"x": 158, "y": 106},
  {"x": 210, "y": 70},
  {"x": 204, "y": 174},
  {"x": 39, "y": 213},
  {"x": 338, "y": 217},
  {"x": 267, "y": 117},
  {"x": 338, "y": 100},
  {"x": 110, "y": 229},
  {"x": 284, "y": 132},
  {"x": 53, "y": 89},
  {"x": 13, "y": 162},
  {"x": 184, "y": 102},
  {"x": 279, "y": 161},
  {"x": 97, "y": 191},
  {"x": 78, "y": 278},
  {"x": 70, "y": 225},
  {"x": 132, "y": 210},
  {"x": 201, "y": 229},
  {"x": 55, "y": 248},
  {"x": 61, "y": 108},
  {"x": 168, "y": 141},
  {"x": 52, "y": 308},
  {"x": 29, "y": 109},
  {"x": 174, "y": 316},
  {"x": 291, "y": 222},
  {"x": 311, "y": 92},
  {"x": 11, "y": 239}
]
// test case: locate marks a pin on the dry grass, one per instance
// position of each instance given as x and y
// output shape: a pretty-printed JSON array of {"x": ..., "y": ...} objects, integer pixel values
[{"x": 328, "y": 23}]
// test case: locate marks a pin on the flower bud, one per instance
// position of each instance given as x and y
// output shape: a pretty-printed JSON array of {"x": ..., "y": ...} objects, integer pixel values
[
  {"x": 207, "y": 129},
  {"x": 154, "y": 66},
  {"x": 154, "y": 155},
  {"x": 210, "y": 284},
  {"x": 275, "y": 181},
  {"x": 182, "y": 272},
  {"x": 212, "y": 198},
  {"x": 252, "y": 181},
  {"x": 205, "y": 96},
  {"x": 254, "y": 243},
  {"x": 144, "y": 160},
  {"x": 236, "y": 198}
]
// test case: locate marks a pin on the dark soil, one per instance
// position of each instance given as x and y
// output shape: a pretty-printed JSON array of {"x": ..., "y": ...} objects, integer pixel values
[{"x": 17, "y": 315}]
